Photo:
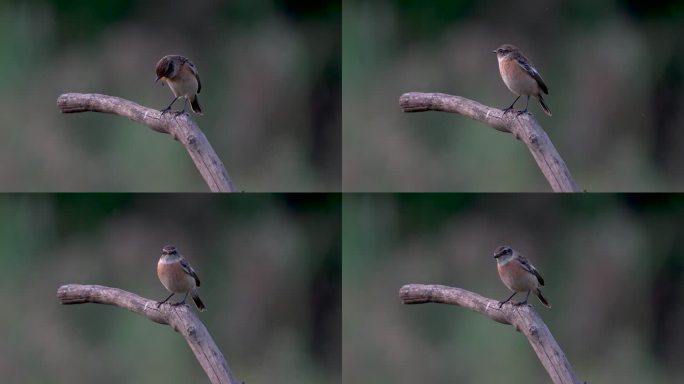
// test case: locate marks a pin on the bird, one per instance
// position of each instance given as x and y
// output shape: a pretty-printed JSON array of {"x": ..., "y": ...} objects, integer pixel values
[
  {"x": 518, "y": 275},
  {"x": 177, "y": 276},
  {"x": 181, "y": 75},
  {"x": 520, "y": 76}
]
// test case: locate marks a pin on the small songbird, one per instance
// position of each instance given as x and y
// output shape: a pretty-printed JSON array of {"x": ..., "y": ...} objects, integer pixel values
[
  {"x": 518, "y": 274},
  {"x": 520, "y": 76},
  {"x": 177, "y": 276},
  {"x": 181, "y": 76}
]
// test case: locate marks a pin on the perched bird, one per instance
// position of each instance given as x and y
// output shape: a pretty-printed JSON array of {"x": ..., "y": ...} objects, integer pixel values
[
  {"x": 181, "y": 76},
  {"x": 518, "y": 274},
  {"x": 177, "y": 276},
  {"x": 520, "y": 76}
]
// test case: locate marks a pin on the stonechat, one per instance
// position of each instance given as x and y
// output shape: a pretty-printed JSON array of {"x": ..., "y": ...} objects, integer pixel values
[
  {"x": 181, "y": 76},
  {"x": 177, "y": 276},
  {"x": 518, "y": 274},
  {"x": 520, "y": 76}
]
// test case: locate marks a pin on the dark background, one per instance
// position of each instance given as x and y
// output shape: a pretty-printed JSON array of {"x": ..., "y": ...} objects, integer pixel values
[
  {"x": 269, "y": 267},
  {"x": 270, "y": 74},
  {"x": 614, "y": 69},
  {"x": 614, "y": 275}
]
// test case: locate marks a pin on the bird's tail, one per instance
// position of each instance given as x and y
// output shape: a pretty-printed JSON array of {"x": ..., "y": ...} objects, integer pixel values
[
  {"x": 541, "y": 101},
  {"x": 194, "y": 104},
  {"x": 198, "y": 302},
  {"x": 541, "y": 297}
]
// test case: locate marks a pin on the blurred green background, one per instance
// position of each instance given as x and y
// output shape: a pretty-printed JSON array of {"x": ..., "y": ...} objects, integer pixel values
[
  {"x": 614, "y": 271},
  {"x": 271, "y": 90},
  {"x": 270, "y": 272},
  {"x": 615, "y": 72}
]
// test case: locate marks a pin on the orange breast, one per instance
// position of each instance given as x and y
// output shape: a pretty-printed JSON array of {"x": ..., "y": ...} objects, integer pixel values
[
  {"x": 516, "y": 278},
  {"x": 174, "y": 278}
]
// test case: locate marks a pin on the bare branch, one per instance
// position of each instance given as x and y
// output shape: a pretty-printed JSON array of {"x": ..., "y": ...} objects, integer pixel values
[
  {"x": 524, "y": 127},
  {"x": 523, "y": 318},
  {"x": 182, "y": 128},
  {"x": 181, "y": 318}
]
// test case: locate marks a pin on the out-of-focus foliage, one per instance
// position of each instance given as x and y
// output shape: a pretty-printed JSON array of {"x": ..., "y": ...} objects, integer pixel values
[
  {"x": 269, "y": 267},
  {"x": 614, "y": 272},
  {"x": 270, "y": 75},
  {"x": 615, "y": 72}
]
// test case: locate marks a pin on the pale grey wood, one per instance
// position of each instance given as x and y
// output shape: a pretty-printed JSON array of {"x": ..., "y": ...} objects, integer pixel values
[
  {"x": 524, "y": 127},
  {"x": 182, "y": 128},
  {"x": 523, "y": 318},
  {"x": 179, "y": 317}
]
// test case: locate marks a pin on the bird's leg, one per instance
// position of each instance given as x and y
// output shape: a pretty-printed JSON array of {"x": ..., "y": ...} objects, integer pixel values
[
  {"x": 165, "y": 300},
  {"x": 507, "y": 300},
  {"x": 524, "y": 301},
  {"x": 163, "y": 111},
  {"x": 178, "y": 113},
  {"x": 182, "y": 301},
  {"x": 511, "y": 107},
  {"x": 526, "y": 105}
]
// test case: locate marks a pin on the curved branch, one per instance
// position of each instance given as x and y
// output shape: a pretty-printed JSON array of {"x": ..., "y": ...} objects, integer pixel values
[
  {"x": 524, "y": 127},
  {"x": 182, "y": 128},
  {"x": 180, "y": 318},
  {"x": 523, "y": 318}
]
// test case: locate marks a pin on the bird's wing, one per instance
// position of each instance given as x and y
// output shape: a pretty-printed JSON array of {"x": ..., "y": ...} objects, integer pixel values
[
  {"x": 533, "y": 72},
  {"x": 194, "y": 72},
  {"x": 188, "y": 269},
  {"x": 530, "y": 268}
]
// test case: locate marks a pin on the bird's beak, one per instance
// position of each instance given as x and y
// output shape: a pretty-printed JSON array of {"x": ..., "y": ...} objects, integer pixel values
[
  {"x": 157, "y": 79},
  {"x": 494, "y": 51}
]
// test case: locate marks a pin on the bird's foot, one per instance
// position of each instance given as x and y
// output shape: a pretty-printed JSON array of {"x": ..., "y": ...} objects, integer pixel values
[{"x": 519, "y": 303}]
